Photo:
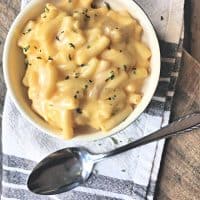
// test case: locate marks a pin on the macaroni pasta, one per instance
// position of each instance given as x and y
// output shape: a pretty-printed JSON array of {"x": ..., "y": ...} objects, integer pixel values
[{"x": 85, "y": 65}]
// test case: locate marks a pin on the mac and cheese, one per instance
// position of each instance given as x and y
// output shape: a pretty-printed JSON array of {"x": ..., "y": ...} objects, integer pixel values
[{"x": 85, "y": 65}]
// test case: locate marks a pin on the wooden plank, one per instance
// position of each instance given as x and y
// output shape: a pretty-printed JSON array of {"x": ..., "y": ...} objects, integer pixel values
[
  {"x": 180, "y": 172},
  {"x": 187, "y": 17},
  {"x": 195, "y": 29}
]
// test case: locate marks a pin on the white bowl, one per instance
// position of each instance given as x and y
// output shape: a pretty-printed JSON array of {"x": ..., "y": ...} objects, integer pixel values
[{"x": 14, "y": 69}]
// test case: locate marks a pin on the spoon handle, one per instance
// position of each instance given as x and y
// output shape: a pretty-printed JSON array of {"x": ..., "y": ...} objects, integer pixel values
[{"x": 181, "y": 126}]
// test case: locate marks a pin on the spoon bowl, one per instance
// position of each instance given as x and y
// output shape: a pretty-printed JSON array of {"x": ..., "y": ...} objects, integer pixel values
[{"x": 61, "y": 171}]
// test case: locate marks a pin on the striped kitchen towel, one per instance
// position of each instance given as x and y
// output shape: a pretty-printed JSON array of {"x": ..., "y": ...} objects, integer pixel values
[{"x": 132, "y": 175}]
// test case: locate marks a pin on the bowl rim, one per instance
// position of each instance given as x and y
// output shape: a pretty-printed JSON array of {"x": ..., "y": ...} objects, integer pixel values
[{"x": 87, "y": 137}]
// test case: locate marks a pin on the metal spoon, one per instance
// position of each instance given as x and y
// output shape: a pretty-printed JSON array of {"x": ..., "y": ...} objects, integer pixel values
[{"x": 71, "y": 167}]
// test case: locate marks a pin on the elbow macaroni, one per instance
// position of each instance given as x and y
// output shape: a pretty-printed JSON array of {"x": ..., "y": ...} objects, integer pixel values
[{"x": 85, "y": 66}]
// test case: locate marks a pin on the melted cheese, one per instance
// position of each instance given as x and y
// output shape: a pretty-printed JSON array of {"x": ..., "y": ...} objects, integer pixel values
[{"x": 84, "y": 65}]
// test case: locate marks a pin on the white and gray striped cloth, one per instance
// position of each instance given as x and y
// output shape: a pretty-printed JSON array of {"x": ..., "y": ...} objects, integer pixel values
[{"x": 132, "y": 175}]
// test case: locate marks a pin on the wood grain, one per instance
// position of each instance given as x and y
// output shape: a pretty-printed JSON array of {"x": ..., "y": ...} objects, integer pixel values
[
  {"x": 192, "y": 28},
  {"x": 180, "y": 169},
  {"x": 179, "y": 178}
]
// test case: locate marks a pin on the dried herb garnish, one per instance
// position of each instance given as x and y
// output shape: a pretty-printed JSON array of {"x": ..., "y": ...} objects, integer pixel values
[
  {"x": 27, "y": 63},
  {"x": 25, "y": 49},
  {"x": 67, "y": 77},
  {"x": 125, "y": 67},
  {"x": 107, "y": 5},
  {"x": 79, "y": 111},
  {"x": 111, "y": 77},
  {"x": 86, "y": 15},
  {"x": 111, "y": 98},
  {"x": 77, "y": 75},
  {"x": 82, "y": 65},
  {"x": 29, "y": 30},
  {"x": 88, "y": 46},
  {"x": 46, "y": 9},
  {"x": 57, "y": 38},
  {"x": 134, "y": 70},
  {"x": 50, "y": 58},
  {"x": 69, "y": 1},
  {"x": 69, "y": 56},
  {"x": 72, "y": 45},
  {"x": 86, "y": 87},
  {"x": 90, "y": 81},
  {"x": 39, "y": 57},
  {"x": 115, "y": 141},
  {"x": 75, "y": 96}
]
